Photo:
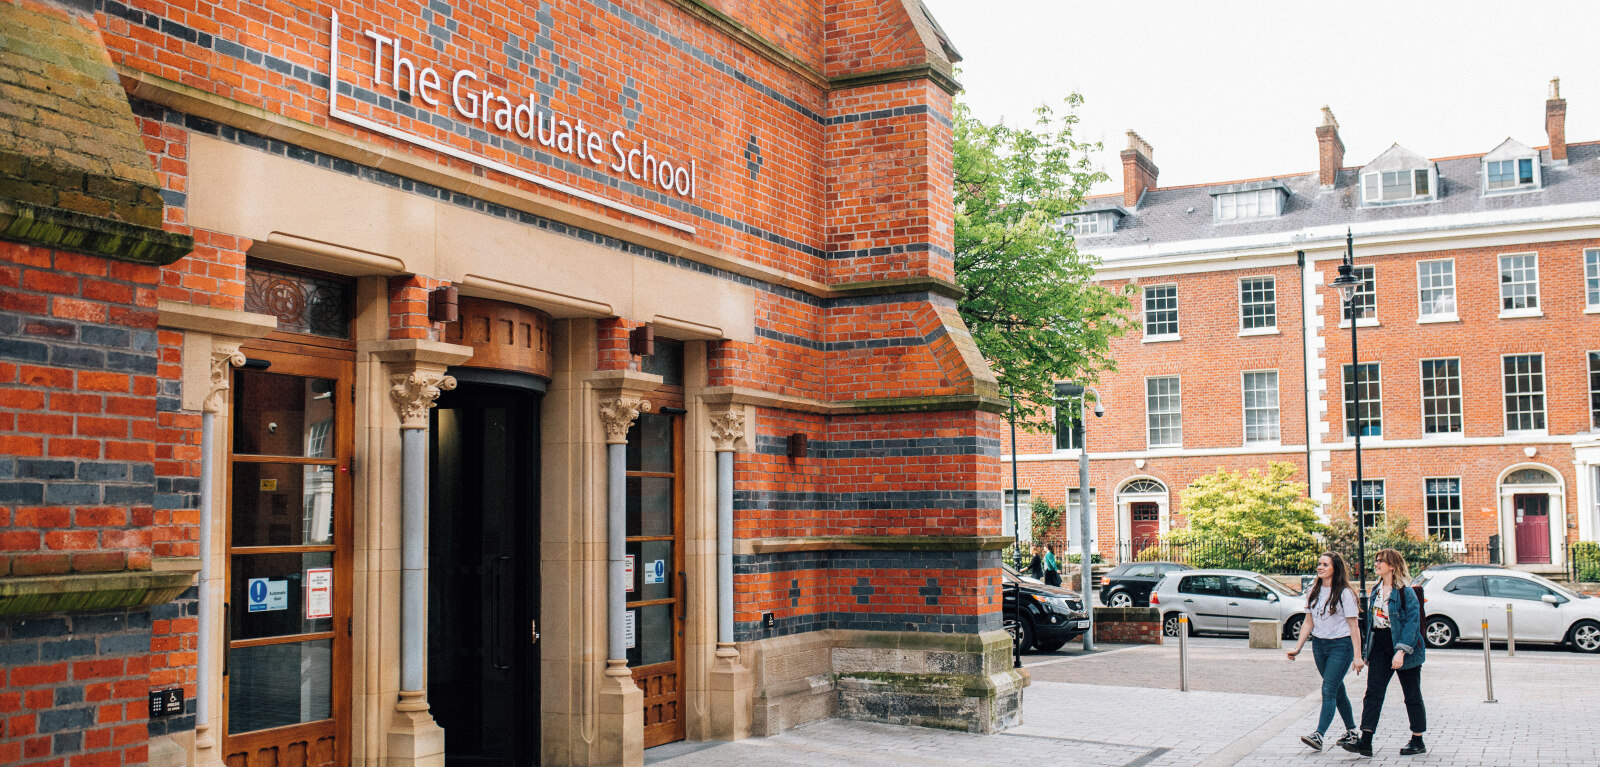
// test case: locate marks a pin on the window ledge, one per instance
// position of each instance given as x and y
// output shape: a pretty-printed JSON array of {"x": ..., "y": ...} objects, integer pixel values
[
  {"x": 1365, "y": 439},
  {"x": 1272, "y": 331},
  {"x": 1174, "y": 446},
  {"x": 1516, "y": 313},
  {"x": 1445, "y": 436},
  {"x": 1528, "y": 433},
  {"x": 1160, "y": 339},
  {"x": 1433, "y": 318},
  {"x": 1364, "y": 322},
  {"x": 1592, "y": 310},
  {"x": 1264, "y": 443}
]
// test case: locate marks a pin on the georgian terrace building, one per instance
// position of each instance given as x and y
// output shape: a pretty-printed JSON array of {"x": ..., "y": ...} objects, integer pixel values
[
  {"x": 527, "y": 383},
  {"x": 1478, "y": 316}
]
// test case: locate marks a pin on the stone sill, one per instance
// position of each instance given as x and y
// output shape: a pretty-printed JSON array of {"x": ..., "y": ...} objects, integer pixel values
[
  {"x": 93, "y": 235},
  {"x": 32, "y": 595}
]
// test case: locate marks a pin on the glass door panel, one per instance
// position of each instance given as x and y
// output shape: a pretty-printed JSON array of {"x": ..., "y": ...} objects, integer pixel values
[{"x": 655, "y": 600}]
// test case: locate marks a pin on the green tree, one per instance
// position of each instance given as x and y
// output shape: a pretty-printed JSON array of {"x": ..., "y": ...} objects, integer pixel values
[
  {"x": 1251, "y": 505},
  {"x": 1031, "y": 303}
]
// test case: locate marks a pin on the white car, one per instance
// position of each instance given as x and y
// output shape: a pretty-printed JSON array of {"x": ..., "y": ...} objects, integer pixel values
[{"x": 1458, "y": 600}]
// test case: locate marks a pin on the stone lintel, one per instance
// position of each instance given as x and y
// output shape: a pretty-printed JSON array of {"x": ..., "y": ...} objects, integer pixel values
[
  {"x": 719, "y": 395},
  {"x": 873, "y": 543},
  {"x": 901, "y": 285},
  {"x": 31, "y": 595},
  {"x": 417, "y": 352},
  {"x": 623, "y": 383},
  {"x": 178, "y": 315}
]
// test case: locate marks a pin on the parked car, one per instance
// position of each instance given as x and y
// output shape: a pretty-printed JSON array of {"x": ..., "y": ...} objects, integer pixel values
[
  {"x": 1129, "y": 584},
  {"x": 1225, "y": 601},
  {"x": 1458, "y": 600},
  {"x": 1047, "y": 616}
]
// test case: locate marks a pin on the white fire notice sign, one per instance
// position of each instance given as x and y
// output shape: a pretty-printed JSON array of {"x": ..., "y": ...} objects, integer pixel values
[
  {"x": 627, "y": 573},
  {"x": 627, "y": 630},
  {"x": 319, "y": 593}
]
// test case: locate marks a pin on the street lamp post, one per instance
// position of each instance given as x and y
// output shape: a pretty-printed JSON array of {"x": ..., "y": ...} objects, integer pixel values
[
  {"x": 1085, "y": 515},
  {"x": 1346, "y": 283},
  {"x": 1016, "y": 526}
]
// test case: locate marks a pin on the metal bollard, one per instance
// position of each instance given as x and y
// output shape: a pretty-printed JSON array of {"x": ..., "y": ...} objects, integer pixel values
[
  {"x": 1183, "y": 653},
  {"x": 1511, "y": 634},
  {"x": 1488, "y": 671}
]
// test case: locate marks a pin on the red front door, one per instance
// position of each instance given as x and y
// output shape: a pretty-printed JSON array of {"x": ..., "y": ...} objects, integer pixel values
[
  {"x": 1533, "y": 528},
  {"x": 1145, "y": 525}
]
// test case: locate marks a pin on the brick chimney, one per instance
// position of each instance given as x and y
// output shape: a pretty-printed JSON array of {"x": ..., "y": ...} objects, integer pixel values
[
  {"x": 1555, "y": 123},
  {"x": 1138, "y": 169},
  {"x": 1330, "y": 150}
]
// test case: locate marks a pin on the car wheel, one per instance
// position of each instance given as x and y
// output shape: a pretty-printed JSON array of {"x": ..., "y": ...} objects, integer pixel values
[
  {"x": 1440, "y": 632},
  {"x": 1027, "y": 635},
  {"x": 1050, "y": 646},
  {"x": 1291, "y": 629},
  {"x": 1121, "y": 599},
  {"x": 1585, "y": 636},
  {"x": 1170, "y": 625}
]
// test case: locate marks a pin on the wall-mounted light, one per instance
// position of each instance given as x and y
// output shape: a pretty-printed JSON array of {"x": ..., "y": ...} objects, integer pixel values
[
  {"x": 642, "y": 341},
  {"x": 797, "y": 445},
  {"x": 444, "y": 304}
]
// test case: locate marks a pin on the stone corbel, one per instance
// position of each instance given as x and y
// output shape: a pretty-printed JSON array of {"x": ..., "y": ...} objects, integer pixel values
[
  {"x": 728, "y": 428},
  {"x": 413, "y": 394},
  {"x": 225, "y": 354}
]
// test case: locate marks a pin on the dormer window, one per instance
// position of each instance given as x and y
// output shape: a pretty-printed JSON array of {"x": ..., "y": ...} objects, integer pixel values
[
  {"x": 1399, "y": 176},
  {"x": 1091, "y": 224},
  {"x": 1510, "y": 167},
  {"x": 1253, "y": 199}
]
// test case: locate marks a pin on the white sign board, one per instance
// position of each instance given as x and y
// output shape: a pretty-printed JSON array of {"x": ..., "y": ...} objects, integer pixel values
[
  {"x": 627, "y": 630},
  {"x": 319, "y": 593},
  {"x": 627, "y": 574},
  {"x": 655, "y": 572},
  {"x": 265, "y": 595}
]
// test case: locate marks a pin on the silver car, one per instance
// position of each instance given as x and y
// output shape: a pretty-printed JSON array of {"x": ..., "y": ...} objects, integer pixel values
[{"x": 1225, "y": 601}]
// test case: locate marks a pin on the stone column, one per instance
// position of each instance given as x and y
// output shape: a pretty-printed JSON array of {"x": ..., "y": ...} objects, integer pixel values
[
  {"x": 621, "y": 700},
  {"x": 414, "y": 737},
  {"x": 225, "y": 355},
  {"x": 731, "y": 681}
]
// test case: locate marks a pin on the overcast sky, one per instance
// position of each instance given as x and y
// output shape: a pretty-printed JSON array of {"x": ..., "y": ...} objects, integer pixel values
[{"x": 1233, "y": 90}]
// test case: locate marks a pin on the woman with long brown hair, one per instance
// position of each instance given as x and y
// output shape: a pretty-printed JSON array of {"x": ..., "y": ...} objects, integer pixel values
[
  {"x": 1335, "y": 643},
  {"x": 1394, "y": 648}
]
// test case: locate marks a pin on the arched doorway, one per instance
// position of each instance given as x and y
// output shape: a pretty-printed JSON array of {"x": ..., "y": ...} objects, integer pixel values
[
  {"x": 1141, "y": 515},
  {"x": 1533, "y": 515}
]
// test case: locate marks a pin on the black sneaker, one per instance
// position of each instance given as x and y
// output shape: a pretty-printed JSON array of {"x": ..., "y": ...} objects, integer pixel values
[
  {"x": 1413, "y": 748},
  {"x": 1362, "y": 745},
  {"x": 1314, "y": 740},
  {"x": 1350, "y": 736}
]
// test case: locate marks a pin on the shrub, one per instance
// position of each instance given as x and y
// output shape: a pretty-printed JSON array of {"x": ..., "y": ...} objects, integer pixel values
[{"x": 1586, "y": 561}]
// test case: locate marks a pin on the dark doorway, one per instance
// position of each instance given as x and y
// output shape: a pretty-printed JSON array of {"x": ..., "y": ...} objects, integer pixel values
[{"x": 483, "y": 574}]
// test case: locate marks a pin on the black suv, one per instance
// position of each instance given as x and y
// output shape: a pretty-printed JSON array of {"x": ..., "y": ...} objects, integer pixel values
[
  {"x": 1047, "y": 616},
  {"x": 1129, "y": 584}
]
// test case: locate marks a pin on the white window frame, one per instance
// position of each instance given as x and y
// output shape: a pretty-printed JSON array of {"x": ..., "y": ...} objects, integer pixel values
[
  {"x": 1458, "y": 540},
  {"x": 1536, "y": 309},
  {"x": 1096, "y": 224},
  {"x": 1425, "y": 284},
  {"x": 1276, "y": 409},
  {"x": 1150, "y": 413},
  {"x": 1062, "y": 404},
  {"x": 1376, "y": 402},
  {"x": 1237, "y": 206},
  {"x": 1424, "y": 399},
  {"x": 1174, "y": 335},
  {"x": 1272, "y": 286},
  {"x": 1379, "y": 516},
  {"x": 1594, "y": 396},
  {"x": 1591, "y": 281},
  {"x": 1542, "y": 413},
  {"x": 1517, "y": 185},
  {"x": 1365, "y": 287},
  {"x": 1023, "y": 515},
  {"x": 1429, "y": 173}
]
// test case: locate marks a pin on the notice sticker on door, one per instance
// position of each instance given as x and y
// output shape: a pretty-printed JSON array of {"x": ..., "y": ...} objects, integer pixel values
[
  {"x": 266, "y": 595},
  {"x": 627, "y": 573},
  {"x": 655, "y": 572},
  {"x": 269, "y": 485},
  {"x": 319, "y": 593},
  {"x": 627, "y": 630}
]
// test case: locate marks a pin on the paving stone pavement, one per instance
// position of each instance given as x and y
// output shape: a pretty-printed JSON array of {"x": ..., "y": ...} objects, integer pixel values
[{"x": 1120, "y": 708}]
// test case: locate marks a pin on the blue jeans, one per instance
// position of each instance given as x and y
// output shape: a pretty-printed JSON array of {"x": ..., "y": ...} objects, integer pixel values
[{"x": 1334, "y": 657}]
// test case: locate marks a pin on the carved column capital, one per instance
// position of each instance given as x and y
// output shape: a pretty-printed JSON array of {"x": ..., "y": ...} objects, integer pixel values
[
  {"x": 727, "y": 429},
  {"x": 224, "y": 354},
  {"x": 413, "y": 394},
  {"x": 617, "y": 414}
]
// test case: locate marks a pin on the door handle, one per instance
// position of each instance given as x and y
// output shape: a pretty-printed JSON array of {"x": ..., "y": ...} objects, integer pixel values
[
  {"x": 1233, "y": 604},
  {"x": 497, "y": 648},
  {"x": 683, "y": 596},
  {"x": 227, "y": 636},
  {"x": 533, "y": 628}
]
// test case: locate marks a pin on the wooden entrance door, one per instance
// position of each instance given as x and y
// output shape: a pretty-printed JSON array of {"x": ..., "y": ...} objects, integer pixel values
[
  {"x": 287, "y": 633},
  {"x": 1533, "y": 527},
  {"x": 1145, "y": 525},
  {"x": 656, "y": 601}
]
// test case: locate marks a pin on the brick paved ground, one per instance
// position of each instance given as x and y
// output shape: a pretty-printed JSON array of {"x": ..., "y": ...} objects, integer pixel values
[{"x": 1121, "y": 707}]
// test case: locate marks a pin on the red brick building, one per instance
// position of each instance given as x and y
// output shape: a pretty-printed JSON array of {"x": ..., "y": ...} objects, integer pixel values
[
  {"x": 1479, "y": 314},
  {"x": 530, "y": 383}
]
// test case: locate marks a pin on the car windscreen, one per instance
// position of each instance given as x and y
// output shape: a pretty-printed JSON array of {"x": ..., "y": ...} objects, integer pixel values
[{"x": 1016, "y": 576}]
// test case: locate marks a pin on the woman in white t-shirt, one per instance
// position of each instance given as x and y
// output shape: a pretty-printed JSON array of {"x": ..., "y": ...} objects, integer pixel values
[{"x": 1335, "y": 643}]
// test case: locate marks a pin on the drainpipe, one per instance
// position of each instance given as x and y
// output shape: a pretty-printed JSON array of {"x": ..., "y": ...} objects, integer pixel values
[
  {"x": 224, "y": 355},
  {"x": 1305, "y": 364}
]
